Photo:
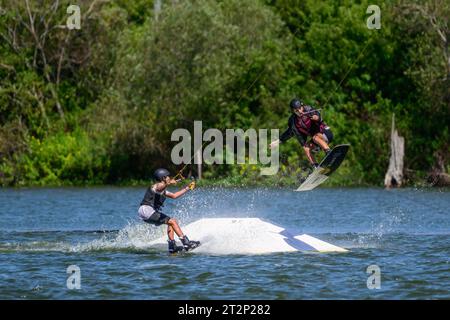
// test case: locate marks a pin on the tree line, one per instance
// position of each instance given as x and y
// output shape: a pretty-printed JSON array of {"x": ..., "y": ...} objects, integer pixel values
[{"x": 98, "y": 105}]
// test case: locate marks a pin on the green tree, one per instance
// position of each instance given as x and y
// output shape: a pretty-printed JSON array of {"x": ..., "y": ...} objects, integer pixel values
[{"x": 219, "y": 62}]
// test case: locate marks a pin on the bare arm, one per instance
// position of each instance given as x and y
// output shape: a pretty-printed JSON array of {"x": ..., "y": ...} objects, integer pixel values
[
  {"x": 179, "y": 193},
  {"x": 273, "y": 144}
]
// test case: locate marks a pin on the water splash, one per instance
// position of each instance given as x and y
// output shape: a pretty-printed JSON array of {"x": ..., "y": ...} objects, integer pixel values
[{"x": 135, "y": 236}]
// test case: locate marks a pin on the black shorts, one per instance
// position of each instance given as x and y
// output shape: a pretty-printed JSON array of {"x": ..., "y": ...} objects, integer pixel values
[
  {"x": 302, "y": 138},
  {"x": 328, "y": 134},
  {"x": 158, "y": 218}
]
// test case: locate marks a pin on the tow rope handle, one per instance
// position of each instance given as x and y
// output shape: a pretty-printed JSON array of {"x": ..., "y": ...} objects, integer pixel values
[{"x": 192, "y": 183}]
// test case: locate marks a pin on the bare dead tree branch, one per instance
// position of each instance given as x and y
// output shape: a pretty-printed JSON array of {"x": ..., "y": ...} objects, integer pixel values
[
  {"x": 46, "y": 72},
  {"x": 7, "y": 67},
  {"x": 441, "y": 29}
]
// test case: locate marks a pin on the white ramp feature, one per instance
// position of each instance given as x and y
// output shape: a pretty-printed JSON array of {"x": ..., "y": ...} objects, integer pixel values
[{"x": 248, "y": 236}]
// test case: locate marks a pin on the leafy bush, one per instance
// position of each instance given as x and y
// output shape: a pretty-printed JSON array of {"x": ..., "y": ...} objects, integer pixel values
[{"x": 63, "y": 159}]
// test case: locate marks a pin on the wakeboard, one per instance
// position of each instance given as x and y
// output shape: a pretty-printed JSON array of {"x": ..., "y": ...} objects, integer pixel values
[{"x": 326, "y": 167}]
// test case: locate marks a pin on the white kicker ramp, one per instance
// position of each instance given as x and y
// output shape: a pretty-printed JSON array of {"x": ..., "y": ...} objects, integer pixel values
[{"x": 248, "y": 236}]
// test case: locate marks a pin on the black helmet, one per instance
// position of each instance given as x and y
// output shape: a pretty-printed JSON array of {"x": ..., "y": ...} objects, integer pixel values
[
  {"x": 161, "y": 173},
  {"x": 295, "y": 103}
]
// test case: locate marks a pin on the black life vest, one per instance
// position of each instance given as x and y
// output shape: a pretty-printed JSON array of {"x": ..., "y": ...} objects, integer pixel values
[{"x": 153, "y": 198}]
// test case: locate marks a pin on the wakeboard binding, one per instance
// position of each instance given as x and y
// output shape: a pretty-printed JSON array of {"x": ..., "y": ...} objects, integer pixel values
[
  {"x": 188, "y": 244},
  {"x": 173, "y": 248}
]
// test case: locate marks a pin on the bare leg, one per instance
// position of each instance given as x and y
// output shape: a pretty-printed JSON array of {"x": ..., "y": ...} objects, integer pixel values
[
  {"x": 309, "y": 155},
  {"x": 174, "y": 227},
  {"x": 170, "y": 233},
  {"x": 320, "y": 141}
]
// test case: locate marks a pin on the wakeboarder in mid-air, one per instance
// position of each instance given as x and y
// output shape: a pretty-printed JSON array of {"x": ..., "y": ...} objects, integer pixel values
[
  {"x": 149, "y": 210},
  {"x": 305, "y": 122}
]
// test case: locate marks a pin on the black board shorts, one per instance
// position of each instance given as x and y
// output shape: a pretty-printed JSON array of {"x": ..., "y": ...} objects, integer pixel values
[
  {"x": 328, "y": 134},
  {"x": 158, "y": 218}
]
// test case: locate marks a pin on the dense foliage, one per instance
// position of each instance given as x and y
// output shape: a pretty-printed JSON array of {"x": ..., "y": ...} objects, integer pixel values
[{"x": 98, "y": 105}]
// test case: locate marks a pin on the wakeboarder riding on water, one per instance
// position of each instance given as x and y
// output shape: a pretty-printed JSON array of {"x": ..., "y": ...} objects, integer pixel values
[
  {"x": 149, "y": 210},
  {"x": 303, "y": 123}
]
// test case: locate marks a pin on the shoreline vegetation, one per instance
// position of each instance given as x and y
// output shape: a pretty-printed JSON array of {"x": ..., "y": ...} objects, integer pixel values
[
  {"x": 236, "y": 182},
  {"x": 97, "y": 105}
]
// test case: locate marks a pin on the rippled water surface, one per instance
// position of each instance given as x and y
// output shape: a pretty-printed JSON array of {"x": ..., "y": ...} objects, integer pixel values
[{"x": 406, "y": 233}]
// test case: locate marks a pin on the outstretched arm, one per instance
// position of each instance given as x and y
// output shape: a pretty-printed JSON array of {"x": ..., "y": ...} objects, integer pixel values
[
  {"x": 286, "y": 135},
  {"x": 273, "y": 144},
  {"x": 179, "y": 193}
]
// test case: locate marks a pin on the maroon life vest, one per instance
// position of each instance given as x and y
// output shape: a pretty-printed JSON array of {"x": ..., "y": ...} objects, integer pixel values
[
  {"x": 309, "y": 127},
  {"x": 303, "y": 124}
]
